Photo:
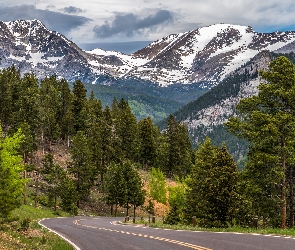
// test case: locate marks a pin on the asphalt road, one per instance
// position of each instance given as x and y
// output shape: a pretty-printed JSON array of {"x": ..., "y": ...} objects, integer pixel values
[{"x": 104, "y": 233}]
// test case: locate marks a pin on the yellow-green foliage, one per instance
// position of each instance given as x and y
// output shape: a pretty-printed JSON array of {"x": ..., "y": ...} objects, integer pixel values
[{"x": 11, "y": 183}]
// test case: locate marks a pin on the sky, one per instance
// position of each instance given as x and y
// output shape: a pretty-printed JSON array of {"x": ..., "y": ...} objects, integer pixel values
[{"x": 134, "y": 22}]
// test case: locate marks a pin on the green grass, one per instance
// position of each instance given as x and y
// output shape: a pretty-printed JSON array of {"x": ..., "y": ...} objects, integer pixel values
[
  {"x": 22, "y": 231},
  {"x": 271, "y": 231},
  {"x": 237, "y": 229},
  {"x": 27, "y": 211}
]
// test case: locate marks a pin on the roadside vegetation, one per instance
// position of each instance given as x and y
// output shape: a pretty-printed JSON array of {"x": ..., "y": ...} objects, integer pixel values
[
  {"x": 22, "y": 231},
  {"x": 234, "y": 229}
]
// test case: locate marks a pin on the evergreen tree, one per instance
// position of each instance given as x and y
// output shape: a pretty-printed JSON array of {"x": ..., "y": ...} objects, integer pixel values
[
  {"x": 267, "y": 121},
  {"x": 27, "y": 104},
  {"x": 49, "y": 108},
  {"x": 147, "y": 143},
  {"x": 54, "y": 176},
  {"x": 125, "y": 130},
  {"x": 179, "y": 149},
  {"x": 65, "y": 114},
  {"x": 9, "y": 82},
  {"x": 134, "y": 187},
  {"x": 115, "y": 188},
  {"x": 69, "y": 196},
  {"x": 79, "y": 102},
  {"x": 93, "y": 128},
  {"x": 27, "y": 147},
  {"x": 212, "y": 187},
  {"x": 80, "y": 166},
  {"x": 107, "y": 140},
  {"x": 118, "y": 155},
  {"x": 162, "y": 151}
]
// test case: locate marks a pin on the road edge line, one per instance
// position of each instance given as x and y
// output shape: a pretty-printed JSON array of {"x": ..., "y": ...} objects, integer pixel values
[{"x": 61, "y": 236}]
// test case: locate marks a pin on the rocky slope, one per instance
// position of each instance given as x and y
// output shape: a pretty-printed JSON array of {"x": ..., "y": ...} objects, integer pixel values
[
  {"x": 204, "y": 56},
  {"x": 217, "y": 105}
]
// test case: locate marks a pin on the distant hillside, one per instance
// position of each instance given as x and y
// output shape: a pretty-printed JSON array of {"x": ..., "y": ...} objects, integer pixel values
[
  {"x": 146, "y": 98},
  {"x": 206, "y": 115}
]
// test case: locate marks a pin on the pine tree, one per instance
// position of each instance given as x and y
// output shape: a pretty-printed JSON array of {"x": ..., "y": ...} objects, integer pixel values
[
  {"x": 49, "y": 108},
  {"x": 134, "y": 187},
  {"x": 147, "y": 143},
  {"x": 125, "y": 130},
  {"x": 93, "y": 128},
  {"x": 65, "y": 114},
  {"x": 268, "y": 122},
  {"x": 79, "y": 102},
  {"x": 9, "y": 82},
  {"x": 107, "y": 140},
  {"x": 115, "y": 188},
  {"x": 69, "y": 196},
  {"x": 27, "y": 148},
  {"x": 80, "y": 166},
  {"x": 27, "y": 104},
  {"x": 212, "y": 187},
  {"x": 179, "y": 149},
  {"x": 54, "y": 176}
]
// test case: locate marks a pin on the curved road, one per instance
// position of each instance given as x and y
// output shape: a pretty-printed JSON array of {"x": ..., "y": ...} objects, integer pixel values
[{"x": 94, "y": 233}]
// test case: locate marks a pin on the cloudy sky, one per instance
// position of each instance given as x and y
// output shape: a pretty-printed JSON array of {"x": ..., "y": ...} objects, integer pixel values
[{"x": 114, "y": 21}]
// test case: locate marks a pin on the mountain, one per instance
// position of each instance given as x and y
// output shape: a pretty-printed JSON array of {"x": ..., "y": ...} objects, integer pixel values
[
  {"x": 204, "y": 56},
  {"x": 206, "y": 115}
]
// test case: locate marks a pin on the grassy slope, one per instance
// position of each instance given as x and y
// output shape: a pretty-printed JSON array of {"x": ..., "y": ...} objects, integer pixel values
[{"x": 17, "y": 234}]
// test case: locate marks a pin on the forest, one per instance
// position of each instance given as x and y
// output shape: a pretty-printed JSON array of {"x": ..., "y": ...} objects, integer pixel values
[{"x": 108, "y": 146}]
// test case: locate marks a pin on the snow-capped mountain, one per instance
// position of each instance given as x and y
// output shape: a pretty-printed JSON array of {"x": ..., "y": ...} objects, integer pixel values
[{"x": 205, "y": 55}]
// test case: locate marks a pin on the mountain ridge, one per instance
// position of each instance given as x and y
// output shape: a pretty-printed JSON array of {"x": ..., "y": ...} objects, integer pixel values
[{"x": 202, "y": 56}]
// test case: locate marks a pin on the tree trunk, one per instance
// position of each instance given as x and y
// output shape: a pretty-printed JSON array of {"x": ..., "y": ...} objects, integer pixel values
[
  {"x": 101, "y": 178},
  {"x": 55, "y": 200},
  {"x": 291, "y": 183},
  {"x": 42, "y": 142},
  {"x": 25, "y": 177},
  {"x": 25, "y": 186},
  {"x": 284, "y": 201},
  {"x": 36, "y": 192}
]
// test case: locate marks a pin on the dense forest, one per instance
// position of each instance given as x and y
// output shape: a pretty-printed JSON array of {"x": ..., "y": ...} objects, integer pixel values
[
  {"x": 108, "y": 145},
  {"x": 49, "y": 112}
]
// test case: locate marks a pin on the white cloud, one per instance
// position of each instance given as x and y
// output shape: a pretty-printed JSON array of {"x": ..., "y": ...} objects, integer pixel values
[{"x": 268, "y": 15}]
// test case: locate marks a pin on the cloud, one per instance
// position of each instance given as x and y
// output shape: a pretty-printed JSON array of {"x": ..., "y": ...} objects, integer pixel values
[
  {"x": 72, "y": 10},
  {"x": 57, "y": 21},
  {"x": 130, "y": 24}
]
